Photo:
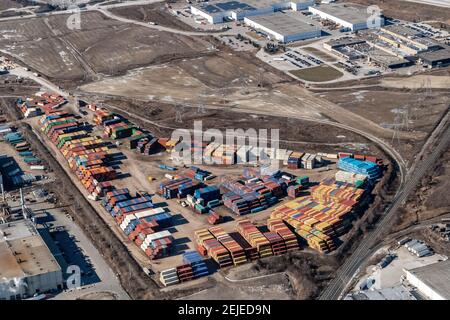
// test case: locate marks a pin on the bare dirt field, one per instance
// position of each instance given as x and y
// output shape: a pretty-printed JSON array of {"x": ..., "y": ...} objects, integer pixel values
[
  {"x": 8, "y": 4},
  {"x": 408, "y": 10},
  {"x": 155, "y": 12},
  {"x": 294, "y": 133},
  {"x": 412, "y": 104},
  {"x": 383, "y": 105},
  {"x": 276, "y": 287},
  {"x": 184, "y": 80},
  {"x": 102, "y": 46}
]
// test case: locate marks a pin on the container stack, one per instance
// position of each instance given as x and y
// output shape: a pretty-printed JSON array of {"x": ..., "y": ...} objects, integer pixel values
[
  {"x": 185, "y": 272},
  {"x": 369, "y": 169},
  {"x": 215, "y": 249},
  {"x": 294, "y": 191},
  {"x": 214, "y": 218},
  {"x": 308, "y": 161},
  {"x": 251, "y": 253},
  {"x": 236, "y": 251},
  {"x": 151, "y": 147},
  {"x": 199, "y": 267},
  {"x": 101, "y": 116},
  {"x": 169, "y": 277},
  {"x": 89, "y": 157},
  {"x": 197, "y": 174},
  {"x": 355, "y": 179},
  {"x": 254, "y": 237},
  {"x": 137, "y": 136},
  {"x": 276, "y": 242},
  {"x": 290, "y": 239},
  {"x": 294, "y": 160},
  {"x": 43, "y": 103},
  {"x": 303, "y": 181},
  {"x": 207, "y": 197},
  {"x": 178, "y": 188},
  {"x": 322, "y": 216},
  {"x": 157, "y": 245},
  {"x": 250, "y": 197}
]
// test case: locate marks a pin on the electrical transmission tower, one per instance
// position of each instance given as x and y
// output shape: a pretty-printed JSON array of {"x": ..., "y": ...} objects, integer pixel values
[
  {"x": 179, "y": 114},
  {"x": 244, "y": 85},
  {"x": 401, "y": 122},
  {"x": 201, "y": 109},
  {"x": 428, "y": 90},
  {"x": 261, "y": 78},
  {"x": 396, "y": 128}
]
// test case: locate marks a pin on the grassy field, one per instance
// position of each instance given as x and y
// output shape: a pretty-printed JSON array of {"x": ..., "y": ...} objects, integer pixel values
[
  {"x": 322, "y": 55},
  {"x": 318, "y": 74}
]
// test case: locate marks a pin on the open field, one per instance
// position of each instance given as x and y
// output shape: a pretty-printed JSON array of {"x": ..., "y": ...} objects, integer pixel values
[
  {"x": 318, "y": 74},
  {"x": 8, "y": 4},
  {"x": 156, "y": 12},
  {"x": 102, "y": 46},
  {"x": 383, "y": 106},
  {"x": 294, "y": 133},
  {"x": 189, "y": 80},
  {"x": 406, "y": 10}
]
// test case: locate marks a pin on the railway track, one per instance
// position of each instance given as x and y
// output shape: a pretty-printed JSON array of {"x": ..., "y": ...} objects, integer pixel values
[{"x": 346, "y": 272}]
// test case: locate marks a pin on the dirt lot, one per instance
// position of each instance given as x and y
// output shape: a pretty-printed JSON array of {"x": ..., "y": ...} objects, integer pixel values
[
  {"x": 413, "y": 103},
  {"x": 156, "y": 12},
  {"x": 383, "y": 105},
  {"x": 101, "y": 46},
  {"x": 408, "y": 10},
  {"x": 7, "y": 4},
  {"x": 295, "y": 134},
  {"x": 318, "y": 74}
]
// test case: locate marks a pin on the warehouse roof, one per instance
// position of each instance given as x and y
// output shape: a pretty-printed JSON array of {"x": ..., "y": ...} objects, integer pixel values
[
  {"x": 239, "y": 6},
  {"x": 350, "y": 14},
  {"x": 439, "y": 55},
  {"x": 435, "y": 276},
  {"x": 284, "y": 23},
  {"x": 402, "y": 30},
  {"x": 395, "y": 293},
  {"x": 23, "y": 252},
  {"x": 345, "y": 41}
]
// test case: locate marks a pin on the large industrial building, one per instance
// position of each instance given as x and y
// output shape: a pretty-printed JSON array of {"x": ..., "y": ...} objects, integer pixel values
[
  {"x": 350, "y": 18},
  {"x": 432, "y": 280},
  {"x": 284, "y": 27},
  {"x": 438, "y": 58},
  {"x": 27, "y": 266},
  {"x": 219, "y": 11}
]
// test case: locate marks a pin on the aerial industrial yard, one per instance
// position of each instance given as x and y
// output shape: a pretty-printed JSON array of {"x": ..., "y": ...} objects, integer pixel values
[{"x": 225, "y": 150}]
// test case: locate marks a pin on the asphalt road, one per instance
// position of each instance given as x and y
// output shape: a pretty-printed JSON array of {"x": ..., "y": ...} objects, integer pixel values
[{"x": 346, "y": 272}]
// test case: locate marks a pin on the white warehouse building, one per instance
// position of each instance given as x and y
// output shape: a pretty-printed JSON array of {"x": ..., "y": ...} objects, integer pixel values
[
  {"x": 432, "y": 281},
  {"x": 284, "y": 27},
  {"x": 350, "y": 18},
  {"x": 27, "y": 266},
  {"x": 218, "y": 11}
]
